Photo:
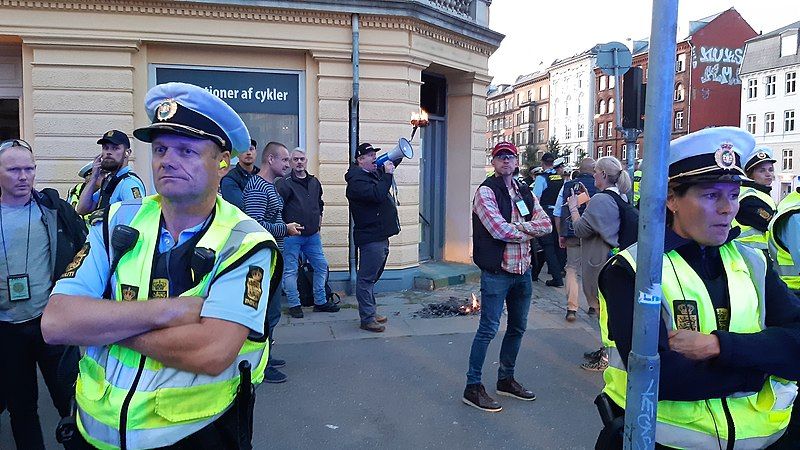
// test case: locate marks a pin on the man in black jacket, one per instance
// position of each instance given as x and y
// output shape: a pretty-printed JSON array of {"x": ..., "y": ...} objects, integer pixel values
[
  {"x": 374, "y": 212},
  {"x": 40, "y": 236},
  {"x": 233, "y": 183},
  {"x": 302, "y": 203}
]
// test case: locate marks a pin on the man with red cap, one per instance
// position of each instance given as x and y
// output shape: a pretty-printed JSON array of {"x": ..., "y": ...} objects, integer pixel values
[{"x": 505, "y": 217}]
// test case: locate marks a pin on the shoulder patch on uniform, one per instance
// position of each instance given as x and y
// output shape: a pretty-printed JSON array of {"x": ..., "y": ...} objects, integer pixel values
[
  {"x": 77, "y": 261},
  {"x": 686, "y": 315},
  {"x": 129, "y": 293},
  {"x": 159, "y": 288},
  {"x": 136, "y": 192},
  {"x": 252, "y": 286},
  {"x": 764, "y": 214}
]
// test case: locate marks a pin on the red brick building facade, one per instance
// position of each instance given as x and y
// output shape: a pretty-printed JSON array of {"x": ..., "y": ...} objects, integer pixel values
[{"x": 707, "y": 87}]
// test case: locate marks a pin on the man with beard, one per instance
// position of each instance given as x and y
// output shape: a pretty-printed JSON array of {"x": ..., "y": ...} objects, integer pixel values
[
  {"x": 263, "y": 203},
  {"x": 233, "y": 183},
  {"x": 119, "y": 182}
]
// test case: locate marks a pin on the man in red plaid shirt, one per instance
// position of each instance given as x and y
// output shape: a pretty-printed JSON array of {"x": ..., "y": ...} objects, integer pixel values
[{"x": 505, "y": 217}]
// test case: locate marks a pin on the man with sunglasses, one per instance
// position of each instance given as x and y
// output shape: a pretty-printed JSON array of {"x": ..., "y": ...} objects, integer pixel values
[
  {"x": 40, "y": 234},
  {"x": 505, "y": 217}
]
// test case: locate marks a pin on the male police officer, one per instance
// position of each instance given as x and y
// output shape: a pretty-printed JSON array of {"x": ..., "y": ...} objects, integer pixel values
[
  {"x": 546, "y": 188},
  {"x": 784, "y": 240},
  {"x": 186, "y": 280},
  {"x": 119, "y": 182}
]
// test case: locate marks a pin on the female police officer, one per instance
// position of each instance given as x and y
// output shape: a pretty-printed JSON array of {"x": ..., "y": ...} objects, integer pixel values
[
  {"x": 730, "y": 332},
  {"x": 756, "y": 206}
]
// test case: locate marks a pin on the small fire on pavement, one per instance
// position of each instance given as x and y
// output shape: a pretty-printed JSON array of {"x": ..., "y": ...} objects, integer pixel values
[{"x": 454, "y": 306}]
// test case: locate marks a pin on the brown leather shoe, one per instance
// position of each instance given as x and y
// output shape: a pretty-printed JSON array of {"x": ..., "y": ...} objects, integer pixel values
[
  {"x": 375, "y": 327},
  {"x": 475, "y": 395},
  {"x": 510, "y": 388},
  {"x": 381, "y": 319}
]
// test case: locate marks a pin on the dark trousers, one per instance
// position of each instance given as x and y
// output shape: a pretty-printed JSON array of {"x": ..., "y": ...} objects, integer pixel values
[
  {"x": 555, "y": 256},
  {"x": 23, "y": 348},
  {"x": 222, "y": 434},
  {"x": 371, "y": 262}
]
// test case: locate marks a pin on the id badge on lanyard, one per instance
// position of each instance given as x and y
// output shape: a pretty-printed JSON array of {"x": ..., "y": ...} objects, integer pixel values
[
  {"x": 521, "y": 206},
  {"x": 19, "y": 287}
]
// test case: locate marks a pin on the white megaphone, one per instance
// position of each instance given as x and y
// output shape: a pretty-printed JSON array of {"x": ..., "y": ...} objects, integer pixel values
[{"x": 402, "y": 150}]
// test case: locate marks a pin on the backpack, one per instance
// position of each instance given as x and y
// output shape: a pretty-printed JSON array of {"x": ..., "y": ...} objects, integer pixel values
[
  {"x": 305, "y": 286},
  {"x": 628, "y": 221},
  {"x": 71, "y": 233}
]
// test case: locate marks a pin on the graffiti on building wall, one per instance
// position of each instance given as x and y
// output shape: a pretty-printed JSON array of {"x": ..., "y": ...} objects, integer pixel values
[{"x": 719, "y": 64}]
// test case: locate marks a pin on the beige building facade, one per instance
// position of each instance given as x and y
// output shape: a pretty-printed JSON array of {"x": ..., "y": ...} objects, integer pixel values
[{"x": 75, "y": 69}]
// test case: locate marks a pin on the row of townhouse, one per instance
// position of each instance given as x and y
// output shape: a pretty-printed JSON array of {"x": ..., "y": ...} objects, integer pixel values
[{"x": 580, "y": 110}]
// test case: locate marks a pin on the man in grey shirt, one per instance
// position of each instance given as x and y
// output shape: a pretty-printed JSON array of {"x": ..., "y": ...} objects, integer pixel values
[{"x": 32, "y": 236}]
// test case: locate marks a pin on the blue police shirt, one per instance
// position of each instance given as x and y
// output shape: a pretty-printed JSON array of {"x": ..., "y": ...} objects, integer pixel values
[
  {"x": 225, "y": 296},
  {"x": 540, "y": 183},
  {"x": 127, "y": 189},
  {"x": 789, "y": 233}
]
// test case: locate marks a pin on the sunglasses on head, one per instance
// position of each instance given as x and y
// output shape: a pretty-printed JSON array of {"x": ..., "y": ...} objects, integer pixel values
[{"x": 15, "y": 143}]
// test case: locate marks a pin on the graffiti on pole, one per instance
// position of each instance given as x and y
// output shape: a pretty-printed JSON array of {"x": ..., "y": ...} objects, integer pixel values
[{"x": 718, "y": 64}]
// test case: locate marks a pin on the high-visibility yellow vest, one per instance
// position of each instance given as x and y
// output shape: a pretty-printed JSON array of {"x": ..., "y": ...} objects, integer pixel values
[
  {"x": 760, "y": 418},
  {"x": 74, "y": 194},
  {"x": 751, "y": 236},
  {"x": 167, "y": 404},
  {"x": 787, "y": 268},
  {"x": 637, "y": 180}
]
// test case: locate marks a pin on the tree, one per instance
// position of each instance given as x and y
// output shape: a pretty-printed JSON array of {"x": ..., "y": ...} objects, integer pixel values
[{"x": 553, "y": 146}]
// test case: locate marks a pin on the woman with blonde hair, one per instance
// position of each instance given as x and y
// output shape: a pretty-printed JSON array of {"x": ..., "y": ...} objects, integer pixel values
[{"x": 598, "y": 229}]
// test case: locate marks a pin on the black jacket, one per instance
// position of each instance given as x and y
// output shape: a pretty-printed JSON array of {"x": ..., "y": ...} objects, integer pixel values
[
  {"x": 302, "y": 201},
  {"x": 753, "y": 211},
  {"x": 745, "y": 359},
  {"x": 233, "y": 183},
  {"x": 66, "y": 230},
  {"x": 487, "y": 252},
  {"x": 371, "y": 204}
]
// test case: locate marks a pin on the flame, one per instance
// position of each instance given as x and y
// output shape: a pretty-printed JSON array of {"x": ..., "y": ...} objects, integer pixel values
[
  {"x": 475, "y": 303},
  {"x": 419, "y": 119}
]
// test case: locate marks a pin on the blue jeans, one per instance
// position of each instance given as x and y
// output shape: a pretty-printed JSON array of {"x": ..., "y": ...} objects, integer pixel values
[
  {"x": 311, "y": 247},
  {"x": 497, "y": 288}
]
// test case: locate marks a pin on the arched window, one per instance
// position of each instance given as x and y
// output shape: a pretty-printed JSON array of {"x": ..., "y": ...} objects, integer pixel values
[
  {"x": 566, "y": 105},
  {"x": 601, "y": 107},
  {"x": 610, "y": 105},
  {"x": 680, "y": 92}
]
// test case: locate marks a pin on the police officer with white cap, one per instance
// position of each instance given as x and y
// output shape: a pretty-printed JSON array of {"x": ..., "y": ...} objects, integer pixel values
[
  {"x": 170, "y": 294},
  {"x": 756, "y": 206},
  {"x": 729, "y": 338},
  {"x": 74, "y": 194}
]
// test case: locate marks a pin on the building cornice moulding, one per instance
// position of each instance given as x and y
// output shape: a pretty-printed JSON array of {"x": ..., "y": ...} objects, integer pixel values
[{"x": 258, "y": 12}]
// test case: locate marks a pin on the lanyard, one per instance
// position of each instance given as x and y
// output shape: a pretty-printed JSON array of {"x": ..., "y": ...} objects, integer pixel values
[{"x": 27, "y": 241}]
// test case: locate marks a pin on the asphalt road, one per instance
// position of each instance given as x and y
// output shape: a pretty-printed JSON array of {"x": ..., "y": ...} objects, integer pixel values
[{"x": 405, "y": 392}]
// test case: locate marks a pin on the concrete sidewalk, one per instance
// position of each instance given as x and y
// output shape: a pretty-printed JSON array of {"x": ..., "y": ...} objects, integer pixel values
[{"x": 547, "y": 312}]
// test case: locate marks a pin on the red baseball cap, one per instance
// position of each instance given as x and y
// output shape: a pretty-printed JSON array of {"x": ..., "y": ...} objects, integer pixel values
[{"x": 504, "y": 147}]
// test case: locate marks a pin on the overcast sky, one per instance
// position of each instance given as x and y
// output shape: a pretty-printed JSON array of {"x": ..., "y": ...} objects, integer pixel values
[{"x": 540, "y": 31}]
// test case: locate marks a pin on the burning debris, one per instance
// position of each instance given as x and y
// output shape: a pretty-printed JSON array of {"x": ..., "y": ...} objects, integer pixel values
[{"x": 452, "y": 307}]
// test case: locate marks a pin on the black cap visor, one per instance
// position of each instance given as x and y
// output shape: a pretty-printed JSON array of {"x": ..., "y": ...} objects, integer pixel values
[{"x": 147, "y": 134}]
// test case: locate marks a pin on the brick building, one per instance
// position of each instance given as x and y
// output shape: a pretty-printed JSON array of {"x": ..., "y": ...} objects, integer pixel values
[
  {"x": 707, "y": 86},
  {"x": 532, "y": 95}
]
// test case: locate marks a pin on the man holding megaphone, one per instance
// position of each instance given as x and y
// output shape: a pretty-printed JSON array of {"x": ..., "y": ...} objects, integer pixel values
[{"x": 374, "y": 212}]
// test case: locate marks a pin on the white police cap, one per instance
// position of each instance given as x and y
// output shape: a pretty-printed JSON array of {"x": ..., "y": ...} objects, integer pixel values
[
  {"x": 85, "y": 170},
  {"x": 189, "y": 110},
  {"x": 712, "y": 154},
  {"x": 757, "y": 156}
]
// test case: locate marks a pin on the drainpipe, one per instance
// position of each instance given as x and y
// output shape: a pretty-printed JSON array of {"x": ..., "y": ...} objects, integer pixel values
[{"x": 353, "y": 144}]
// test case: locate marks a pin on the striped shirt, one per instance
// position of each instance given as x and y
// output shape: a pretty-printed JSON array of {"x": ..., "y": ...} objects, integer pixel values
[
  {"x": 263, "y": 203},
  {"x": 517, "y": 254}
]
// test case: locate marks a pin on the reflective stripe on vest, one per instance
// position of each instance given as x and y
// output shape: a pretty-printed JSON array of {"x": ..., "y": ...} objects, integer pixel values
[
  {"x": 637, "y": 179},
  {"x": 760, "y": 418},
  {"x": 749, "y": 235},
  {"x": 787, "y": 268},
  {"x": 169, "y": 404}
]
